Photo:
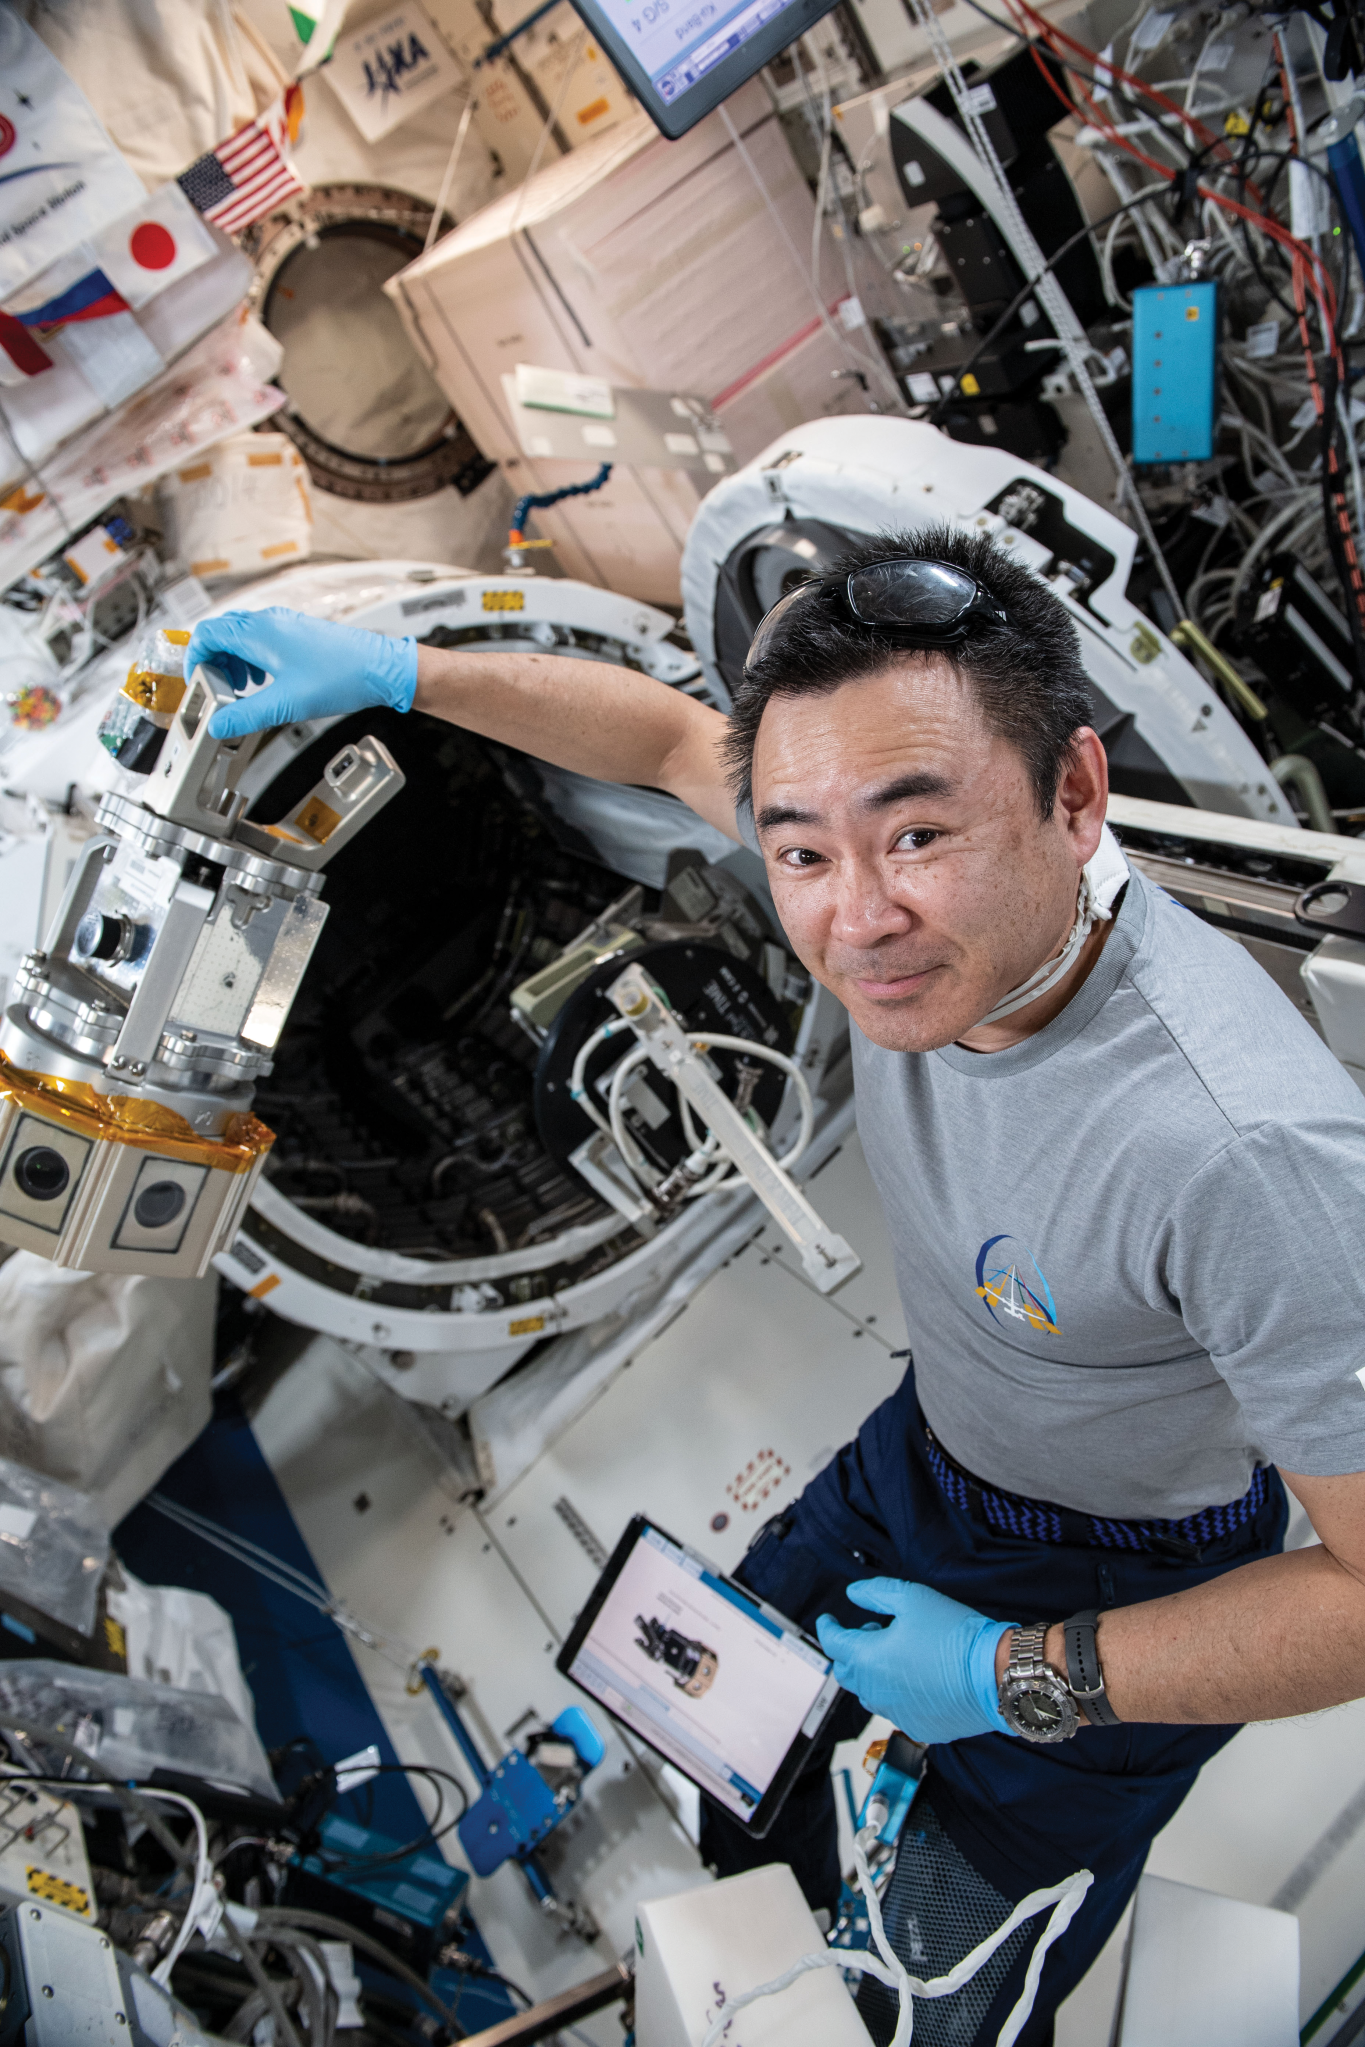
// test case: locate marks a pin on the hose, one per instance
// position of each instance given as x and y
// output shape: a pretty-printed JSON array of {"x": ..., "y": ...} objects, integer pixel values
[
  {"x": 540, "y": 501},
  {"x": 271, "y": 1916},
  {"x": 1295, "y": 771}
]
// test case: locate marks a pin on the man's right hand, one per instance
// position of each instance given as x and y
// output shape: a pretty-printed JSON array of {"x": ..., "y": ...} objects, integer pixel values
[{"x": 319, "y": 669}]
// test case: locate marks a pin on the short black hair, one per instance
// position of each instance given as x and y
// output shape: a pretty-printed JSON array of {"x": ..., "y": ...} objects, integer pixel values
[{"x": 1028, "y": 675}]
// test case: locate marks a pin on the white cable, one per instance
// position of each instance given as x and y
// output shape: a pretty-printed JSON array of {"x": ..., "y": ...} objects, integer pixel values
[
  {"x": 873, "y": 361},
  {"x": 570, "y": 66},
  {"x": 724, "y": 1175},
  {"x": 822, "y": 181},
  {"x": 705, "y": 1039},
  {"x": 613, "y": 1123},
  {"x": 205, "y": 1907},
  {"x": 448, "y": 179},
  {"x": 840, "y": 341},
  {"x": 1065, "y": 1899},
  {"x": 400, "y": 1654}
]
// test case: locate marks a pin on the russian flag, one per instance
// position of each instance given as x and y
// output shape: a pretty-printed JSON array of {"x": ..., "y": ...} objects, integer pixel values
[{"x": 91, "y": 297}]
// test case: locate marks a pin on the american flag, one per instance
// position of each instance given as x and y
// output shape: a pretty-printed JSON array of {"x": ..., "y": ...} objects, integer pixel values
[{"x": 250, "y": 174}]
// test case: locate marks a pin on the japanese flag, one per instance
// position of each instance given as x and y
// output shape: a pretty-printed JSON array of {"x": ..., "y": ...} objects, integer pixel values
[{"x": 156, "y": 244}]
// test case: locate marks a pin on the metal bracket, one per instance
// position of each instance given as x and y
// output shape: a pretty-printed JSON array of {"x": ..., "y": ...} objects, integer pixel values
[
  {"x": 1336, "y": 906},
  {"x": 355, "y": 784},
  {"x": 828, "y": 1258},
  {"x": 195, "y": 779}
]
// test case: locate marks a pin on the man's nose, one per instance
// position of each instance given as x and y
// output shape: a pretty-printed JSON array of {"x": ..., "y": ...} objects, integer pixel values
[{"x": 865, "y": 910}]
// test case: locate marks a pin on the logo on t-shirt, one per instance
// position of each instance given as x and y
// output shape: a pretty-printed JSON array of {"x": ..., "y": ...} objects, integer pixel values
[{"x": 1011, "y": 1283}]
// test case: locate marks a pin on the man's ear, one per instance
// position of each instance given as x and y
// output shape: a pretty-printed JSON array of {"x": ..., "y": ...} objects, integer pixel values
[{"x": 1083, "y": 793}]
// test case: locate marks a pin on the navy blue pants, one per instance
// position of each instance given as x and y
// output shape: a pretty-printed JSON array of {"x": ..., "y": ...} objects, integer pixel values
[{"x": 1024, "y": 1815}]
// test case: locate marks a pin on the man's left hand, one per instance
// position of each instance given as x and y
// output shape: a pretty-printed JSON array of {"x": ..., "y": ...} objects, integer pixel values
[{"x": 932, "y": 1672}]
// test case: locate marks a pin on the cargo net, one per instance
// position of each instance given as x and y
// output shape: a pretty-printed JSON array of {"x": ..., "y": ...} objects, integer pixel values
[
  {"x": 402, "y": 1092},
  {"x": 936, "y": 1909}
]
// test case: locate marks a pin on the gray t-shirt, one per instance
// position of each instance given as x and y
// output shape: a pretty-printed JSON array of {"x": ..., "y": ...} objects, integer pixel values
[{"x": 1130, "y": 1248}]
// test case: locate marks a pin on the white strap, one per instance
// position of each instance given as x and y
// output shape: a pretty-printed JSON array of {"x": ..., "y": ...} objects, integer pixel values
[
  {"x": 1101, "y": 879},
  {"x": 1065, "y": 1899}
]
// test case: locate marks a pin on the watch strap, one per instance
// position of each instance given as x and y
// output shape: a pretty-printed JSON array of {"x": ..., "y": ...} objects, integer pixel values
[
  {"x": 1026, "y": 1651},
  {"x": 1084, "y": 1676}
]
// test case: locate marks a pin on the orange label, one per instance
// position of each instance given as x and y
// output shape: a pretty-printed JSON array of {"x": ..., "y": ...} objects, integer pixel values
[
  {"x": 317, "y": 820},
  {"x": 594, "y": 112}
]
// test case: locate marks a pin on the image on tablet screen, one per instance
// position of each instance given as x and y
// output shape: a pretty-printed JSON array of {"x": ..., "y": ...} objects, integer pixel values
[{"x": 711, "y": 1681}]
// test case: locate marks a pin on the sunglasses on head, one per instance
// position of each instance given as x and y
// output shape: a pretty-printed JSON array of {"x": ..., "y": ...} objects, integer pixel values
[{"x": 914, "y": 603}]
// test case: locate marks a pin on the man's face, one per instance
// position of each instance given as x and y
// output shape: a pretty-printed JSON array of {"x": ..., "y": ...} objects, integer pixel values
[{"x": 910, "y": 868}]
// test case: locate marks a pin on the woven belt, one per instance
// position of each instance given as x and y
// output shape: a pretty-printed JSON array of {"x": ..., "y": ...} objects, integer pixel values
[{"x": 1044, "y": 1521}]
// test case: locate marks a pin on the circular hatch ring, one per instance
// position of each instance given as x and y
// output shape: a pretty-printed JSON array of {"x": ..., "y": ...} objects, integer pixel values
[{"x": 386, "y": 229}]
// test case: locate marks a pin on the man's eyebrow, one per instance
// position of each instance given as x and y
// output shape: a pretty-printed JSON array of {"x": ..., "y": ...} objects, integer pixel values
[
  {"x": 774, "y": 814},
  {"x": 924, "y": 783}
]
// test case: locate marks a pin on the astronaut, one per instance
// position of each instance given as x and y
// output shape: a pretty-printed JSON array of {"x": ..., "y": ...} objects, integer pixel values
[{"x": 1124, "y": 1182}]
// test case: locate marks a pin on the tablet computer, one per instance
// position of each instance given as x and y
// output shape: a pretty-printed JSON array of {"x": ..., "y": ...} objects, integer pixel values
[
  {"x": 722, "y": 1686},
  {"x": 681, "y": 58}
]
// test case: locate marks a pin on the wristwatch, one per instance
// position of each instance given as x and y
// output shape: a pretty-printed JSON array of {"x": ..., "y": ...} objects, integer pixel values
[
  {"x": 1034, "y": 1699},
  {"x": 1041, "y": 1704}
]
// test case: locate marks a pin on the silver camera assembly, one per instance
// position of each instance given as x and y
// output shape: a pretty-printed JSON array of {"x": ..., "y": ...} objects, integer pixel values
[{"x": 131, "y": 1047}]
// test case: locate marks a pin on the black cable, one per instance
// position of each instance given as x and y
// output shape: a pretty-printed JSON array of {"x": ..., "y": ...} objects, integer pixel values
[
  {"x": 470, "y": 1965},
  {"x": 1026, "y": 291},
  {"x": 1281, "y": 157},
  {"x": 435, "y": 1831}
]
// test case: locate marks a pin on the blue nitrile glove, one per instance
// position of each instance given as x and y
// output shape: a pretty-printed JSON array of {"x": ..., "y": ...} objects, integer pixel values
[
  {"x": 932, "y": 1672},
  {"x": 321, "y": 670}
]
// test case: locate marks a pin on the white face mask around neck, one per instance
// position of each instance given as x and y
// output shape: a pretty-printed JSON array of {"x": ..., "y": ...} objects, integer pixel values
[{"x": 1101, "y": 879}]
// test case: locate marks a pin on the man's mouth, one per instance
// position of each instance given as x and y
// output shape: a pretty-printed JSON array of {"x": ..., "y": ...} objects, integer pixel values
[{"x": 893, "y": 987}]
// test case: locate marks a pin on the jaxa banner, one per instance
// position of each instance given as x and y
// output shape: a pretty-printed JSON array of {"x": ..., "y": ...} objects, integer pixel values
[
  {"x": 390, "y": 68},
  {"x": 61, "y": 178}
]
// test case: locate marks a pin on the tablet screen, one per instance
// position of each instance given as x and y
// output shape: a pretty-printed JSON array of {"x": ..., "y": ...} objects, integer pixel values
[
  {"x": 681, "y": 58},
  {"x": 677, "y": 44},
  {"x": 717, "y": 1683}
]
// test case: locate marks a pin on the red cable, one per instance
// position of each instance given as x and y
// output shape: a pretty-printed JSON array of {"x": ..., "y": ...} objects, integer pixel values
[
  {"x": 1054, "y": 35},
  {"x": 1265, "y": 222}
]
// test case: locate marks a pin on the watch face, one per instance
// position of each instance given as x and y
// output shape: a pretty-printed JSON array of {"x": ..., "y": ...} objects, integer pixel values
[{"x": 1040, "y": 1711}]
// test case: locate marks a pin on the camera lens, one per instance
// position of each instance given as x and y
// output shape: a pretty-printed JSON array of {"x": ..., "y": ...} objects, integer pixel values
[
  {"x": 158, "y": 1204},
  {"x": 99, "y": 937},
  {"x": 41, "y": 1173}
]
